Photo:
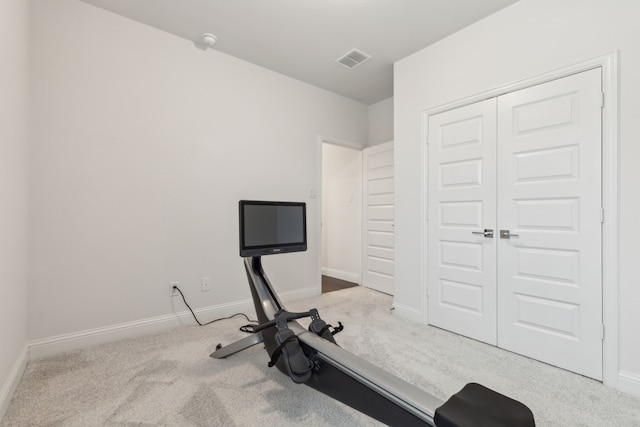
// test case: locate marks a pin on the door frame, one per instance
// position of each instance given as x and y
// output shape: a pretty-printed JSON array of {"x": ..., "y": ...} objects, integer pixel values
[
  {"x": 317, "y": 230},
  {"x": 610, "y": 288}
]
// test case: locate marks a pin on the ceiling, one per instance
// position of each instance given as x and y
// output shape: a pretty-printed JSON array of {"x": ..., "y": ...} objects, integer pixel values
[{"x": 303, "y": 38}]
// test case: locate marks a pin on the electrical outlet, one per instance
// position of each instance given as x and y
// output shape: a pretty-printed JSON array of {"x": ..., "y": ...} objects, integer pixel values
[
  {"x": 173, "y": 292},
  {"x": 206, "y": 284}
]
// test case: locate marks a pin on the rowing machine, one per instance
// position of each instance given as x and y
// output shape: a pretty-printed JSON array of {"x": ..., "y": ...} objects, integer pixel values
[{"x": 312, "y": 357}]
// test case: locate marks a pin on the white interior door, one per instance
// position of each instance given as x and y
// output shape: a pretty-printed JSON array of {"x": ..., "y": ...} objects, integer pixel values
[
  {"x": 549, "y": 199},
  {"x": 462, "y": 204},
  {"x": 378, "y": 210},
  {"x": 535, "y": 288}
]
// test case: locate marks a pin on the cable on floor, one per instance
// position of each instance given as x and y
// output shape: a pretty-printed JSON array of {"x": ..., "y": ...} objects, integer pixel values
[{"x": 246, "y": 328}]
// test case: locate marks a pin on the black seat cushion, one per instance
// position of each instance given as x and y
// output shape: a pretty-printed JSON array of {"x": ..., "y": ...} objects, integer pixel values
[{"x": 478, "y": 406}]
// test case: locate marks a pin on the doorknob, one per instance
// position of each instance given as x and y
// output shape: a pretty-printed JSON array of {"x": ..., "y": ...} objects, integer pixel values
[
  {"x": 486, "y": 233},
  {"x": 506, "y": 234}
]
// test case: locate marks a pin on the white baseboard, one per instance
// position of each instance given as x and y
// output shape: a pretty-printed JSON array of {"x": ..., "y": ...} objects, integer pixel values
[
  {"x": 342, "y": 275},
  {"x": 629, "y": 383},
  {"x": 408, "y": 313},
  {"x": 10, "y": 385},
  {"x": 76, "y": 340}
]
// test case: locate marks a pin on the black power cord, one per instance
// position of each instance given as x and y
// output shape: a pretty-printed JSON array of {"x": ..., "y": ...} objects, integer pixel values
[{"x": 246, "y": 328}]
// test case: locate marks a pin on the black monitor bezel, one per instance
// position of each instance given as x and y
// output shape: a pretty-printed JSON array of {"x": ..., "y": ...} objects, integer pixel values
[{"x": 252, "y": 251}]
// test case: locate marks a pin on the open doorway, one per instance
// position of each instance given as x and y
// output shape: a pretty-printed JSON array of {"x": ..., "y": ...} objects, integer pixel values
[{"x": 341, "y": 201}]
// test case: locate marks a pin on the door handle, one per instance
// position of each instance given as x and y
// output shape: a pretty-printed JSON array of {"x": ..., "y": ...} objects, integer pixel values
[
  {"x": 486, "y": 233},
  {"x": 506, "y": 234}
]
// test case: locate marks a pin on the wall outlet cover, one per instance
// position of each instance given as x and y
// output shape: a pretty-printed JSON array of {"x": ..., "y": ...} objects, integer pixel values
[{"x": 173, "y": 292}]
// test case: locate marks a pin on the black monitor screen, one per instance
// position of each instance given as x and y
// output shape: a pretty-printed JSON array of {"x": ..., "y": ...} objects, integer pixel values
[{"x": 272, "y": 227}]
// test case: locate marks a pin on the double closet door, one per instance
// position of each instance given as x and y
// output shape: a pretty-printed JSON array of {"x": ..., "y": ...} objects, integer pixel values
[{"x": 515, "y": 222}]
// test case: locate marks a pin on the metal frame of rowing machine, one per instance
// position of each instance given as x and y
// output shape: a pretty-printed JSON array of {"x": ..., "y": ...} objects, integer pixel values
[{"x": 336, "y": 373}]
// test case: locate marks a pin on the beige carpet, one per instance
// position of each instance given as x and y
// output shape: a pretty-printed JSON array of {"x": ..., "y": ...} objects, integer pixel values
[{"x": 168, "y": 379}]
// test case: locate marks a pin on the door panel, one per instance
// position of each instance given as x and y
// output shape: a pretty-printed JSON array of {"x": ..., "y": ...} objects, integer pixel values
[
  {"x": 549, "y": 195},
  {"x": 462, "y": 270},
  {"x": 378, "y": 262}
]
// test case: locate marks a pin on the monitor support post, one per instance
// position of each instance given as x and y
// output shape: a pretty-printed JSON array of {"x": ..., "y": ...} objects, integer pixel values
[{"x": 356, "y": 382}]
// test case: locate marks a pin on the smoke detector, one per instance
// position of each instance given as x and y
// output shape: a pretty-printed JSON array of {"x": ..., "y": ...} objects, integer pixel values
[
  {"x": 208, "y": 39},
  {"x": 353, "y": 58}
]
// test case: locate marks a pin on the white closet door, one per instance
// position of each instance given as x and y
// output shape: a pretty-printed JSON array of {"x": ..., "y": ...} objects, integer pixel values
[
  {"x": 549, "y": 195},
  {"x": 462, "y": 189},
  {"x": 378, "y": 251}
]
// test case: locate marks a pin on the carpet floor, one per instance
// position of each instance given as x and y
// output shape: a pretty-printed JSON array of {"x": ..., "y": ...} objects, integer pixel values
[{"x": 168, "y": 379}]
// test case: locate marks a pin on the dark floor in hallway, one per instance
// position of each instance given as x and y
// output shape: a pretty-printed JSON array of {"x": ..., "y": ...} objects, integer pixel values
[{"x": 330, "y": 284}]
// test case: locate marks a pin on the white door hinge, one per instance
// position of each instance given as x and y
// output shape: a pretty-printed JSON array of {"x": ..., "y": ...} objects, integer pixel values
[
  {"x": 601, "y": 215},
  {"x": 602, "y": 100},
  {"x": 602, "y": 335}
]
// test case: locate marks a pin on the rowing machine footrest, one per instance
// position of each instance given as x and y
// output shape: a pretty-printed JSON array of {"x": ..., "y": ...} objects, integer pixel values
[
  {"x": 320, "y": 327},
  {"x": 296, "y": 364},
  {"x": 478, "y": 406}
]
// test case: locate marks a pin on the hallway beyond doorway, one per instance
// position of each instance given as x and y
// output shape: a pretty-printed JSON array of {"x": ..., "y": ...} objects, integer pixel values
[{"x": 330, "y": 284}]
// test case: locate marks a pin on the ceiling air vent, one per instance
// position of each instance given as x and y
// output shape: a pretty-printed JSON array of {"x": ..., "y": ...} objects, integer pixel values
[{"x": 353, "y": 58}]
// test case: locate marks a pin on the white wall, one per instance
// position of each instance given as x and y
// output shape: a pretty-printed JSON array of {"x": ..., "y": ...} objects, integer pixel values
[
  {"x": 342, "y": 212},
  {"x": 527, "y": 39},
  {"x": 381, "y": 122},
  {"x": 14, "y": 72},
  {"x": 142, "y": 147}
]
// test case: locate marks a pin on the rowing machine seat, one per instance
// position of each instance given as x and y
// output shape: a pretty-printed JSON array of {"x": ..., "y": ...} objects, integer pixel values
[{"x": 478, "y": 406}]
